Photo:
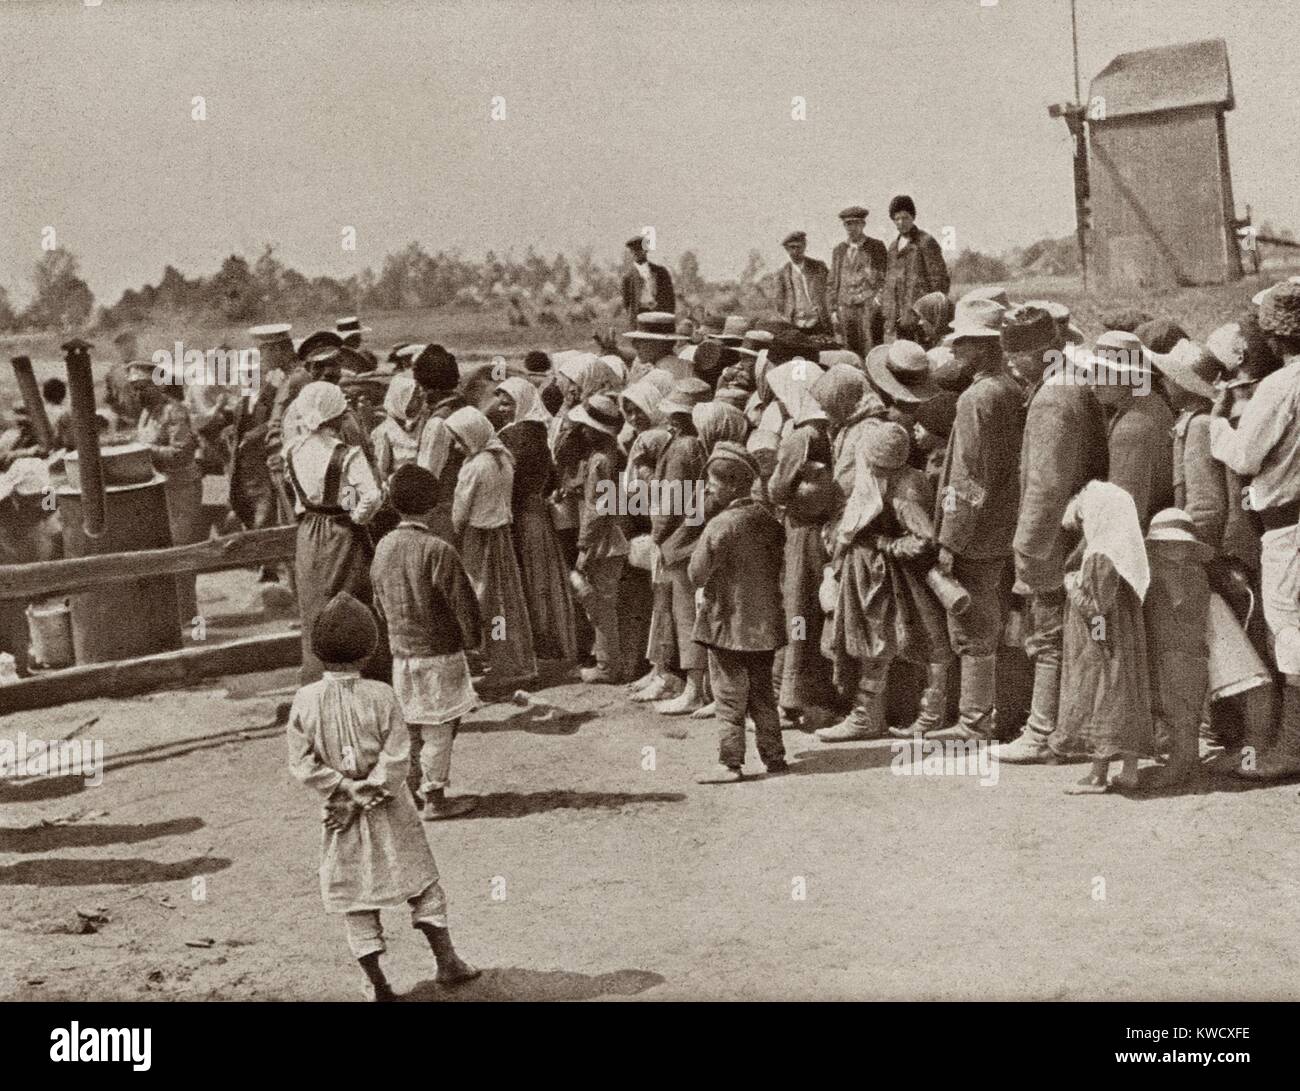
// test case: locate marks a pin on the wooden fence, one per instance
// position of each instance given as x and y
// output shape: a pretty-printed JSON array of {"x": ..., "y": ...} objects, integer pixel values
[{"x": 76, "y": 574}]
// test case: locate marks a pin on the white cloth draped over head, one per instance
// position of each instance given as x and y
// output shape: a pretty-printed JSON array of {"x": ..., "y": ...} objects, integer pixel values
[
  {"x": 528, "y": 405},
  {"x": 788, "y": 385},
  {"x": 646, "y": 396},
  {"x": 1111, "y": 528},
  {"x": 397, "y": 401},
  {"x": 475, "y": 431},
  {"x": 319, "y": 403},
  {"x": 587, "y": 371}
]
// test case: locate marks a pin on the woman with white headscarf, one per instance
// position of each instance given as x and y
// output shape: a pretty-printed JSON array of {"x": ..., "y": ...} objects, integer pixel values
[
  {"x": 396, "y": 439},
  {"x": 335, "y": 496},
  {"x": 481, "y": 518},
  {"x": 521, "y": 422},
  {"x": 1105, "y": 711}
]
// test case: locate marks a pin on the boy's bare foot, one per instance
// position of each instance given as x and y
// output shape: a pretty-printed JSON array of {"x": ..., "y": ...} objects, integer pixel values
[
  {"x": 438, "y": 806},
  {"x": 705, "y": 712},
  {"x": 661, "y": 687}
]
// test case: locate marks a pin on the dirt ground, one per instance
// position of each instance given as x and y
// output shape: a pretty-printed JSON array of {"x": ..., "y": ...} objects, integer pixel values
[{"x": 595, "y": 868}]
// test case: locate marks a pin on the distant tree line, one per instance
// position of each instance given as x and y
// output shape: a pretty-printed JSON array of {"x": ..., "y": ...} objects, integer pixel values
[{"x": 529, "y": 288}]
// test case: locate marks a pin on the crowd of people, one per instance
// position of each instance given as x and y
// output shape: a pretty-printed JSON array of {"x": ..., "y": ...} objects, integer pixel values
[{"x": 763, "y": 519}]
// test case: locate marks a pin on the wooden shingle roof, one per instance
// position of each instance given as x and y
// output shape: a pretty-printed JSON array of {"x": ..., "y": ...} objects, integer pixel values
[{"x": 1170, "y": 77}]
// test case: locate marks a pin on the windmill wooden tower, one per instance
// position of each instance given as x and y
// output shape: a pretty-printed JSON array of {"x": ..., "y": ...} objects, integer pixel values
[{"x": 1153, "y": 187}]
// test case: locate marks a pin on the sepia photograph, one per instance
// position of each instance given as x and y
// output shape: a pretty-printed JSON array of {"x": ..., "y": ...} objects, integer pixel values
[{"x": 712, "y": 501}]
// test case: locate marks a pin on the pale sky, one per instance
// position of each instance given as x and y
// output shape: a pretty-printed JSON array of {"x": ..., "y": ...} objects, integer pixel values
[{"x": 374, "y": 114}]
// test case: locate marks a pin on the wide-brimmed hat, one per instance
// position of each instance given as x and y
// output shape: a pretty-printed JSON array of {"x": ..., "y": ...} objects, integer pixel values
[
  {"x": 756, "y": 341},
  {"x": 978, "y": 317},
  {"x": 995, "y": 292},
  {"x": 349, "y": 326},
  {"x": 712, "y": 356},
  {"x": 734, "y": 328},
  {"x": 1191, "y": 367},
  {"x": 318, "y": 340},
  {"x": 269, "y": 333},
  {"x": 901, "y": 370},
  {"x": 1028, "y": 329},
  {"x": 1120, "y": 352},
  {"x": 654, "y": 326},
  {"x": 685, "y": 395},
  {"x": 1279, "y": 314},
  {"x": 600, "y": 412}
]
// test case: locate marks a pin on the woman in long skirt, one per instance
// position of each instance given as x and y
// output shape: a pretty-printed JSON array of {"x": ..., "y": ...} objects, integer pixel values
[
  {"x": 335, "y": 496},
  {"x": 481, "y": 518},
  {"x": 522, "y": 421}
]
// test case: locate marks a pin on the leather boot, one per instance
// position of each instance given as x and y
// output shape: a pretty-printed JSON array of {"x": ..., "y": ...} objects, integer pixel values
[
  {"x": 934, "y": 705},
  {"x": 1031, "y": 744},
  {"x": 976, "y": 716},
  {"x": 1283, "y": 759},
  {"x": 866, "y": 721}
]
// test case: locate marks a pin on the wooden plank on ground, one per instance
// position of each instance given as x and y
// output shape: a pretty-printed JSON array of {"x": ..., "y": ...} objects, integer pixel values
[
  {"x": 149, "y": 672},
  {"x": 245, "y": 550}
]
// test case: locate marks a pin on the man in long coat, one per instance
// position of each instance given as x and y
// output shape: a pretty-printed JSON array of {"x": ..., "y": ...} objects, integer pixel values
[
  {"x": 915, "y": 268},
  {"x": 1064, "y": 447},
  {"x": 976, "y": 504}
]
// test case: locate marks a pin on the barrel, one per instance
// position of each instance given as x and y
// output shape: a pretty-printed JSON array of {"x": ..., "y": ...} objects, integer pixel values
[{"x": 134, "y": 617}]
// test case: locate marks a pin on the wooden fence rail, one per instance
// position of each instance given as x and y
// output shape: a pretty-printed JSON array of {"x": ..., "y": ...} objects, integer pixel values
[{"x": 73, "y": 574}]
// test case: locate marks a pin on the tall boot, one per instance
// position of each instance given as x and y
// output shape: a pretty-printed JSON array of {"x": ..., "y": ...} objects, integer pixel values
[
  {"x": 1255, "y": 728},
  {"x": 452, "y": 969},
  {"x": 934, "y": 704},
  {"x": 976, "y": 716},
  {"x": 1030, "y": 746},
  {"x": 1283, "y": 759},
  {"x": 866, "y": 721},
  {"x": 375, "y": 975}
]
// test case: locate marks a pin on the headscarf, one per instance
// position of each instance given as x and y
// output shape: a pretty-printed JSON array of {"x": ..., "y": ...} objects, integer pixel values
[
  {"x": 617, "y": 365},
  {"x": 935, "y": 310},
  {"x": 661, "y": 379},
  {"x": 475, "y": 431},
  {"x": 319, "y": 403},
  {"x": 587, "y": 372},
  {"x": 839, "y": 392},
  {"x": 717, "y": 421},
  {"x": 832, "y": 357},
  {"x": 528, "y": 403},
  {"x": 397, "y": 401},
  {"x": 786, "y": 383},
  {"x": 646, "y": 396},
  {"x": 884, "y": 448},
  {"x": 1110, "y": 528}
]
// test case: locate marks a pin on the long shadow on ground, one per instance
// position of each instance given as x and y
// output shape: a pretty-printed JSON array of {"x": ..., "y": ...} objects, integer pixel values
[
  {"x": 519, "y": 984},
  {"x": 521, "y": 804},
  {"x": 840, "y": 759},
  {"x": 62, "y": 872},
  {"x": 47, "y": 838}
]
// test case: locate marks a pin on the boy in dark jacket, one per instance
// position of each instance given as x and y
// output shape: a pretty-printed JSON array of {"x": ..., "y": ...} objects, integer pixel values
[
  {"x": 736, "y": 565},
  {"x": 423, "y": 593}
]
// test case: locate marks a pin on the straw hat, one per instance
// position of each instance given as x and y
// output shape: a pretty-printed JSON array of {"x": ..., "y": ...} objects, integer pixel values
[{"x": 901, "y": 370}]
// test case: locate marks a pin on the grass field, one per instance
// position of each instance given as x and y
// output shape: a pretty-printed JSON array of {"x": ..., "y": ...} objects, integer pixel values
[{"x": 481, "y": 335}]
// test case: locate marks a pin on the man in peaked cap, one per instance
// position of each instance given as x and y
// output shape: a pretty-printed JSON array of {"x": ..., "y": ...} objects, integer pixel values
[
  {"x": 857, "y": 273},
  {"x": 1265, "y": 447},
  {"x": 647, "y": 286},
  {"x": 801, "y": 287}
]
